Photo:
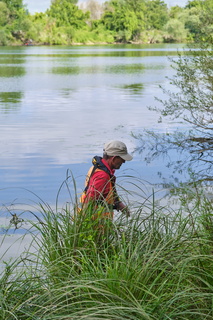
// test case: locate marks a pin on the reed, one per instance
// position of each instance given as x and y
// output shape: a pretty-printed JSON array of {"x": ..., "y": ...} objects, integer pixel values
[{"x": 156, "y": 265}]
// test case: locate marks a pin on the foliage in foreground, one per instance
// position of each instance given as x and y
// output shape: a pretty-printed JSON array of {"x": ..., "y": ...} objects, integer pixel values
[
  {"x": 156, "y": 265},
  {"x": 188, "y": 106}
]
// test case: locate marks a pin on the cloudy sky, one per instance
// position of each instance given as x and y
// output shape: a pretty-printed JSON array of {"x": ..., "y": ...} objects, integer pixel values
[{"x": 41, "y": 5}]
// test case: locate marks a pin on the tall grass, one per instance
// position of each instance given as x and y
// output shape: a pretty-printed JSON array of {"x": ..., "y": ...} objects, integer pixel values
[{"x": 156, "y": 265}]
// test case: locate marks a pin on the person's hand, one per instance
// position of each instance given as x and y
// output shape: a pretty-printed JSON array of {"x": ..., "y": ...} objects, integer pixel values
[
  {"x": 126, "y": 211},
  {"x": 123, "y": 208}
]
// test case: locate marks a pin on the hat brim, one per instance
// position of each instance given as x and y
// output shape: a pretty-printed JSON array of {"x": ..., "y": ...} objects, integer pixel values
[{"x": 126, "y": 157}]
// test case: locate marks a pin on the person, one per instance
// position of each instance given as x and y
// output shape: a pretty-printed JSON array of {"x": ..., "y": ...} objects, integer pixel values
[{"x": 100, "y": 181}]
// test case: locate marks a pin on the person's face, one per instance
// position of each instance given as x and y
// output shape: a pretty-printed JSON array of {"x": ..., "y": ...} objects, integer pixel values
[{"x": 117, "y": 162}]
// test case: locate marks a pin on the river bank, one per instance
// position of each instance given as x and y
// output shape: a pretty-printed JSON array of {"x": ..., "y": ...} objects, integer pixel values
[
  {"x": 93, "y": 43},
  {"x": 151, "y": 266}
]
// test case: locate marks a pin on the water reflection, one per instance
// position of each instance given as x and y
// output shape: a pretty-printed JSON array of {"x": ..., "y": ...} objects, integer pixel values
[
  {"x": 135, "y": 88},
  {"x": 11, "y": 60},
  {"x": 67, "y": 70},
  {"x": 10, "y": 97},
  {"x": 126, "y": 68},
  {"x": 112, "y": 51},
  {"x": 12, "y": 71},
  {"x": 117, "y": 68},
  {"x": 9, "y": 101}
]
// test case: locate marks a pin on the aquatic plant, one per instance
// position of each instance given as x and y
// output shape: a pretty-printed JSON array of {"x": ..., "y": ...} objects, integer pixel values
[{"x": 155, "y": 265}]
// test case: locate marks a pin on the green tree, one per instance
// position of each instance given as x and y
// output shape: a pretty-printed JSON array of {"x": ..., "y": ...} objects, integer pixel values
[
  {"x": 120, "y": 17},
  {"x": 14, "y": 17},
  {"x": 20, "y": 25},
  {"x": 157, "y": 14},
  {"x": 206, "y": 25},
  {"x": 66, "y": 13},
  {"x": 40, "y": 27},
  {"x": 192, "y": 21},
  {"x": 175, "y": 11},
  {"x": 200, "y": 4},
  {"x": 14, "y": 4},
  {"x": 139, "y": 8},
  {"x": 14, "y": 7},
  {"x": 193, "y": 4},
  {"x": 191, "y": 103},
  {"x": 175, "y": 31},
  {"x": 196, "y": 17},
  {"x": 4, "y": 14}
]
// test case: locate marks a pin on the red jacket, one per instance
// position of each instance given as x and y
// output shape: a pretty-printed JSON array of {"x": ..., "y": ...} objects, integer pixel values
[{"x": 100, "y": 184}]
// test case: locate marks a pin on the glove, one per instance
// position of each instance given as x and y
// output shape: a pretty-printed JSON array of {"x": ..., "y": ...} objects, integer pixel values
[{"x": 120, "y": 206}]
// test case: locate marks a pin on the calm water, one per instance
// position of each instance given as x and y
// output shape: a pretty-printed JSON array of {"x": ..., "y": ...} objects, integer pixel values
[{"x": 59, "y": 105}]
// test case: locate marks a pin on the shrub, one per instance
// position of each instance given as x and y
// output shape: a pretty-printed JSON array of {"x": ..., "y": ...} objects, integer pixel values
[{"x": 3, "y": 37}]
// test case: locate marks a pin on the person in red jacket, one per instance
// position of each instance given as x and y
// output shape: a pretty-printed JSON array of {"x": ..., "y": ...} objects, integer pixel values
[{"x": 100, "y": 181}]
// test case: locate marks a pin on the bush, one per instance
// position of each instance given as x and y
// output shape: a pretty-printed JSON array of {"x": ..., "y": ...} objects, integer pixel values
[
  {"x": 3, "y": 37},
  {"x": 151, "y": 36},
  {"x": 175, "y": 31}
]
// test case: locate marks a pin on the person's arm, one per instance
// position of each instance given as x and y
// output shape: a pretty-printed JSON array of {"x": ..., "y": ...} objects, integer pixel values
[{"x": 120, "y": 206}]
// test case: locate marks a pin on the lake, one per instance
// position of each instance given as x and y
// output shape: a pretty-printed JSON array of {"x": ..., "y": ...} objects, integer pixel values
[{"x": 59, "y": 105}]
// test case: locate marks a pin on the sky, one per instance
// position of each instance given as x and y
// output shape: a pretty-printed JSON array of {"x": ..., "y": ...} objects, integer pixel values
[{"x": 41, "y": 5}]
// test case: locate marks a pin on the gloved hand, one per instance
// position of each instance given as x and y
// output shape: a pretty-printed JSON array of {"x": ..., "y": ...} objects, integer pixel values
[
  {"x": 126, "y": 211},
  {"x": 122, "y": 207}
]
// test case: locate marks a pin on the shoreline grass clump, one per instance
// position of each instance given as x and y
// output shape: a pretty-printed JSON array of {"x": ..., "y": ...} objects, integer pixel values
[{"x": 155, "y": 265}]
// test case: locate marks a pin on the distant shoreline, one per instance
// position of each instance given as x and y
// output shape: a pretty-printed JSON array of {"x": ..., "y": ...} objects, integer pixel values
[{"x": 88, "y": 44}]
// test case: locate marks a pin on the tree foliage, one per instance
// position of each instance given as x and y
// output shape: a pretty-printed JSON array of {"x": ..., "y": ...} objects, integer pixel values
[
  {"x": 14, "y": 20},
  {"x": 4, "y": 14},
  {"x": 148, "y": 21},
  {"x": 66, "y": 13},
  {"x": 14, "y": 5},
  {"x": 121, "y": 20},
  {"x": 157, "y": 14},
  {"x": 191, "y": 103},
  {"x": 175, "y": 31}
]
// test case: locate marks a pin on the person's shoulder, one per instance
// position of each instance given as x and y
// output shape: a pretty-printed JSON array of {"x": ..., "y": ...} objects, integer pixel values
[{"x": 99, "y": 172}]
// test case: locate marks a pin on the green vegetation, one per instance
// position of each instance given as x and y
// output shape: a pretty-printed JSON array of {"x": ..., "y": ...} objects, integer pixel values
[
  {"x": 67, "y": 22},
  {"x": 189, "y": 103},
  {"x": 156, "y": 265}
]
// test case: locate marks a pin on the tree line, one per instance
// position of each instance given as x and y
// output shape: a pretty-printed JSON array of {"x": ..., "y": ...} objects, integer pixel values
[{"x": 68, "y": 22}]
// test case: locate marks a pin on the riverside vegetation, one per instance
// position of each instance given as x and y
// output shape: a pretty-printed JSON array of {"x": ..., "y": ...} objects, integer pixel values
[
  {"x": 69, "y": 22},
  {"x": 155, "y": 265}
]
